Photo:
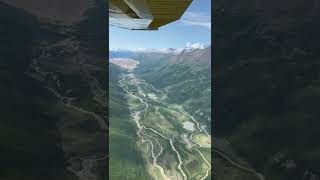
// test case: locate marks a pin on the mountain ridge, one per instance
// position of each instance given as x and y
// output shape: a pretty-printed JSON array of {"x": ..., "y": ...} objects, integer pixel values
[{"x": 160, "y": 50}]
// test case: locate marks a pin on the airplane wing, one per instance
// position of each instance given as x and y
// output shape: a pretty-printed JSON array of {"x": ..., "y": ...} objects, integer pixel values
[{"x": 145, "y": 14}]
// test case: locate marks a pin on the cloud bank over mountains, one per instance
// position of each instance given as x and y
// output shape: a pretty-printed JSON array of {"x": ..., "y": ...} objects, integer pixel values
[
  {"x": 189, "y": 47},
  {"x": 195, "y": 45}
]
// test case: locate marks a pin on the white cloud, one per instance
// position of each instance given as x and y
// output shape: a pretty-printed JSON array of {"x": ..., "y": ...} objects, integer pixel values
[
  {"x": 196, "y": 15},
  {"x": 160, "y": 50},
  {"x": 202, "y": 24},
  {"x": 197, "y": 19},
  {"x": 195, "y": 45}
]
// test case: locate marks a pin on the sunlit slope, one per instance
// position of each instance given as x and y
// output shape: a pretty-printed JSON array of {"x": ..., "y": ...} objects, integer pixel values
[
  {"x": 186, "y": 78},
  {"x": 125, "y": 161},
  {"x": 167, "y": 143}
]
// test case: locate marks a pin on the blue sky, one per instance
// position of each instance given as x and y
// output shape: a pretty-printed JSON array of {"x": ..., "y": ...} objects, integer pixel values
[{"x": 194, "y": 27}]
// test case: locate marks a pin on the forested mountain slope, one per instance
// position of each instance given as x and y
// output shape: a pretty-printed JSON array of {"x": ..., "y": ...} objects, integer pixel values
[
  {"x": 125, "y": 158},
  {"x": 22, "y": 109},
  {"x": 52, "y": 88},
  {"x": 147, "y": 116},
  {"x": 266, "y": 74},
  {"x": 186, "y": 78}
]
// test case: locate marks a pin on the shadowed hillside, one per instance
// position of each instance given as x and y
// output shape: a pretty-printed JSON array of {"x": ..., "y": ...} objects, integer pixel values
[
  {"x": 52, "y": 90},
  {"x": 266, "y": 74},
  {"x": 22, "y": 109}
]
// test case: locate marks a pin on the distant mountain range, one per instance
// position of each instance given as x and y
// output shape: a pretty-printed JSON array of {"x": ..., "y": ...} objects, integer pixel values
[
  {"x": 129, "y": 53},
  {"x": 121, "y": 54}
]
